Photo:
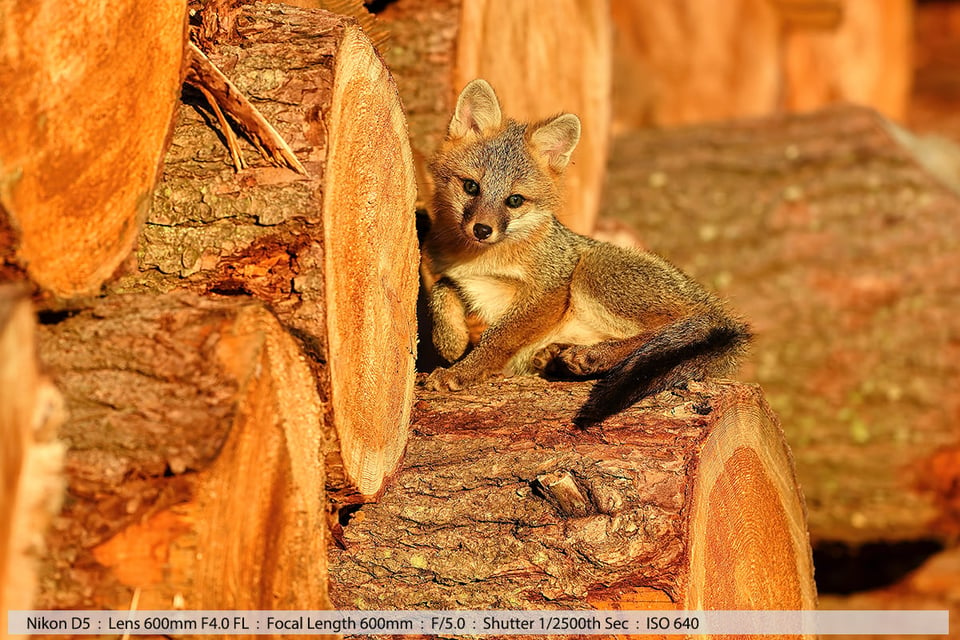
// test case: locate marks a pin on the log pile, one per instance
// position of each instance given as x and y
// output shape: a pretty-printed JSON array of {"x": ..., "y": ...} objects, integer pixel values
[
  {"x": 332, "y": 253},
  {"x": 233, "y": 368},
  {"x": 502, "y": 503},
  {"x": 839, "y": 245},
  {"x": 189, "y": 418},
  {"x": 246, "y": 369}
]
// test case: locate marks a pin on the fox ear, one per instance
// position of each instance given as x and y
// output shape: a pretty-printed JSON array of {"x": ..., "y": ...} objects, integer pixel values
[
  {"x": 555, "y": 139},
  {"x": 478, "y": 110}
]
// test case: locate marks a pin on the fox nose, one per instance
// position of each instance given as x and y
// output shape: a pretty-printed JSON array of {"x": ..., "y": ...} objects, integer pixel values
[{"x": 482, "y": 231}]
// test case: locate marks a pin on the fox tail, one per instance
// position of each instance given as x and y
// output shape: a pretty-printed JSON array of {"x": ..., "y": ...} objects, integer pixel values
[{"x": 688, "y": 349}]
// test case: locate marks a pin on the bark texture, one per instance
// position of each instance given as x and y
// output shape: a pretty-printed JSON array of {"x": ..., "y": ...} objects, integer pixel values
[
  {"x": 334, "y": 253},
  {"x": 193, "y": 459},
  {"x": 839, "y": 246},
  {"x": 502, "y": 503},
  {"x": 79, "y": 165}
]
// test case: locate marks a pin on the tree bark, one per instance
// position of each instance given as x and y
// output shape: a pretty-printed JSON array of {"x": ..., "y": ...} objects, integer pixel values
[
  {"x": 193, "y": 459},
  {"x": 31, "y": 484},
  {"x": 454, "y": 41},
  {"x": 334, "y": 254},
  {"x": 502, "y": 503},
  {"x": 83, "y": 142},
  {"x": 839, "y": 246}
]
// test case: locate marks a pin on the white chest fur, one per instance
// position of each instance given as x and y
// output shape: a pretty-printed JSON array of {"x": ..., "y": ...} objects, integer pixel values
[
  {"x": 487, "y": 292},
  {"x": 489, "y": 297}
]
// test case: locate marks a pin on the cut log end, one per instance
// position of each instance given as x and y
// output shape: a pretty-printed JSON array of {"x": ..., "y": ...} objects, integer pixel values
[
  {"x": 78, "y": 173},
  {"x": 750, "y": 547},
  {"x": 371, "y": 277}
]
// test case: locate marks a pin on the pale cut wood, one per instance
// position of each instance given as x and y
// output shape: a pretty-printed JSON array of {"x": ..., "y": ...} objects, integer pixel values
[
  {"x": 866, "y": 60},
  {"x": 502, "y": 503},
  {"x": 694, "y": 61},
  {"x": 89, "y": 92},
  {"x": 31, "y": 483},
  {"x": 833, "y": 237},
  {"x": 194, "y": 459},
  {"x": 371, "y": 323},
  {"x": 749, "y": 540},
  {"x": 334, "y": 253},
  {"x": 541, "y": 56}
]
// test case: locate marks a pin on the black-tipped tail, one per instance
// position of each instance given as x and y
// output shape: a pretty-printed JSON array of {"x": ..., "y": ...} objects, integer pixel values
[{"x": 689, "y": 349}]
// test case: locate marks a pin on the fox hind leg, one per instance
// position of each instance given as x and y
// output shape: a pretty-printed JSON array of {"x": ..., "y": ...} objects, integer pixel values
[{"x": 585, "y": 360}]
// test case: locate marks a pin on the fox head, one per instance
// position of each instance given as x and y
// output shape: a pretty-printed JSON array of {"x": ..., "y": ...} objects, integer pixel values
[{"x": 497, "y": 179}]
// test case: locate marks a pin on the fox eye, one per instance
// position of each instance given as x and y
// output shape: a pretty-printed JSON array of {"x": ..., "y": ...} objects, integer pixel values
[
  {"x": 514, "y": 201},
  {"x": 470, "y": 187}
]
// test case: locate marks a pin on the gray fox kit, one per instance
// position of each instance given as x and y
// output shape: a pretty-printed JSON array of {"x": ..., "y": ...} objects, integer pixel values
[{"x": 554, "y": 302}]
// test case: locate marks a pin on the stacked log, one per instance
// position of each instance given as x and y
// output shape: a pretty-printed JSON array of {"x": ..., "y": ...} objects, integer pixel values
[
  {"x": 687, "y": 500},
  {"x": 31, "y": 485},
  {"x": 193, "y": 462},
  {"x": 333, "y": 253}
]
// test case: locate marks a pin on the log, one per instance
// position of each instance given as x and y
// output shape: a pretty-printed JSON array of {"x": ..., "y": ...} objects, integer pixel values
[
  {"x": 80, "y": 161},
  {"x": 334, "y": 253},
  {"x": 355, "y": 9},
  {"x": 867, "y": 59},
  {"x": 31, "y": 484},
  {"x": 193, "y": 460},
  {"x": 839, "y": 246},
  {"x": 697, "y": 61},
  {"x": 693, "y": 60},
  {"x": 502, "y": 503},
  {"x": 541, "y": 57}
]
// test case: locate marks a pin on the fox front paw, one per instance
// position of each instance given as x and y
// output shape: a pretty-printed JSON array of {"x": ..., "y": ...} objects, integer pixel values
[{"x": 451, "y": 379}]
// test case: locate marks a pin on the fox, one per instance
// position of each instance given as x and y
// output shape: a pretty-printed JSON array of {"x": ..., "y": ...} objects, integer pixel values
[{"x": 554, "y": 302}]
